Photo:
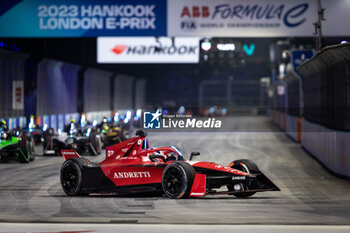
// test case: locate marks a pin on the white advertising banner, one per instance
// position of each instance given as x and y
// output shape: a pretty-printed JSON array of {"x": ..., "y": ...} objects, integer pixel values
[
  {"x": 337, "y": 17},
  {"x": 17, "y": 95},
  {"x": 242, "y": 18},
  {"x": 147, "y": 50}
]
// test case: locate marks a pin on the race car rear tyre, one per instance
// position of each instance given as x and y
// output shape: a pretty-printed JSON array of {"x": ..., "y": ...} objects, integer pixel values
[
  {"x": 71, "y": 176},
  {"x": 247, "y": 166},
  {"x": 177, "y": 180},
  {"x": 32, "y": 143},
  {"x": 26, "y": 150},
  {"x": 48, "y": 142}
]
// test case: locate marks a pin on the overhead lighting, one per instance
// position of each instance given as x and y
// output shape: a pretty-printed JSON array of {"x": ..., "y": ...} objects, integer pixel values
[
  {"x": 249, "y": 50},
  {"x": 181, "y": 110},
  {"x": 94, "y": 123},
  {"x": 226, "y": 47},
  {"x": 116, "y": 117},
  {"x": 206, "y": 45}
]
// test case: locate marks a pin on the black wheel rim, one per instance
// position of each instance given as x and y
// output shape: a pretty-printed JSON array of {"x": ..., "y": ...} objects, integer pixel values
[
  {"x": 243, "y": 169},
  {"x": 173, "y": 181},
  {"x": 70, "y": 178}
]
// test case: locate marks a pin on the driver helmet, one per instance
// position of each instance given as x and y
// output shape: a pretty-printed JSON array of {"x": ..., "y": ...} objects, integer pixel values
[
  {"x": 105, "y": 120},
  {"x": 3, "y": 135},
  {"x": 31, "y": 124},
  {"x": 72, "y": 127},
  {"x": 3, "y": 130},
  {"x": 3, "y": 126}
]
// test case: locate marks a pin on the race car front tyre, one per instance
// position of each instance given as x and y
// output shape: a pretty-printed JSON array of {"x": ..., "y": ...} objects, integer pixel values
[
  {"x": 71, "y": 176},
  {"x": 177, "y": 180},
  {"x": 25, "y": 149},
  {"x": 247, "y": 166}
]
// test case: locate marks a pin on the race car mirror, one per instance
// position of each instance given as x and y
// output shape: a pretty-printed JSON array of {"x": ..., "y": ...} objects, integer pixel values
[{"x": 193, "y": 154}]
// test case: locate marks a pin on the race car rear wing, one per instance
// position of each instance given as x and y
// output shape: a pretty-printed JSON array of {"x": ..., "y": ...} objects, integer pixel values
[{"x": 68, "y": 154}]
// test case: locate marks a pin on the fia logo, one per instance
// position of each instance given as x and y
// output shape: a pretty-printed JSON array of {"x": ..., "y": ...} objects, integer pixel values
[
  {"x": 188, "y": 25},
  {"x": 151, "y": 120}
]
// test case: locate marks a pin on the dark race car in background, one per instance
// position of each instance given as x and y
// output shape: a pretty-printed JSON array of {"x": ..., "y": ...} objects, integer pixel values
[
  {"x": 133, "y": 167},
  {"x": 113, "y": 132},
  {"x": 20, "y": 148},
  {"x": 84, "y": 140}
]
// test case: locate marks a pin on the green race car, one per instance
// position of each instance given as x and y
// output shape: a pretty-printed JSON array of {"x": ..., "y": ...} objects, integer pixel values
[{"x": 20, "y": 148}]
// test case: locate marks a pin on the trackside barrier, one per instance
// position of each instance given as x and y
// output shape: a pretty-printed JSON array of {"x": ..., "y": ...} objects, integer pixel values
[
  {"x": 56, "y": 121},
  {"x": 293, "y": 127},
  {"x": 278, "y": 118},
  {"x": 13, "y": 123},
  {"x": 330, "y": 147},
  {"x": 273, "y": 115},
  {"x": 91, "y": 116},
  {"x": 288, "y": 123},
  {"x": 326, "y": 87}
]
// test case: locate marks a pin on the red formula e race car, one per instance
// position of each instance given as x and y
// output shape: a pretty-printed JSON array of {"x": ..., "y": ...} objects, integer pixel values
[{"x": 133, "y": 167}]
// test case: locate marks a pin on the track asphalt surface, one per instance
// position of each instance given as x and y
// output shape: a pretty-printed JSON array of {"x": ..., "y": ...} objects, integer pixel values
[{"x": 31, "y": 193}]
